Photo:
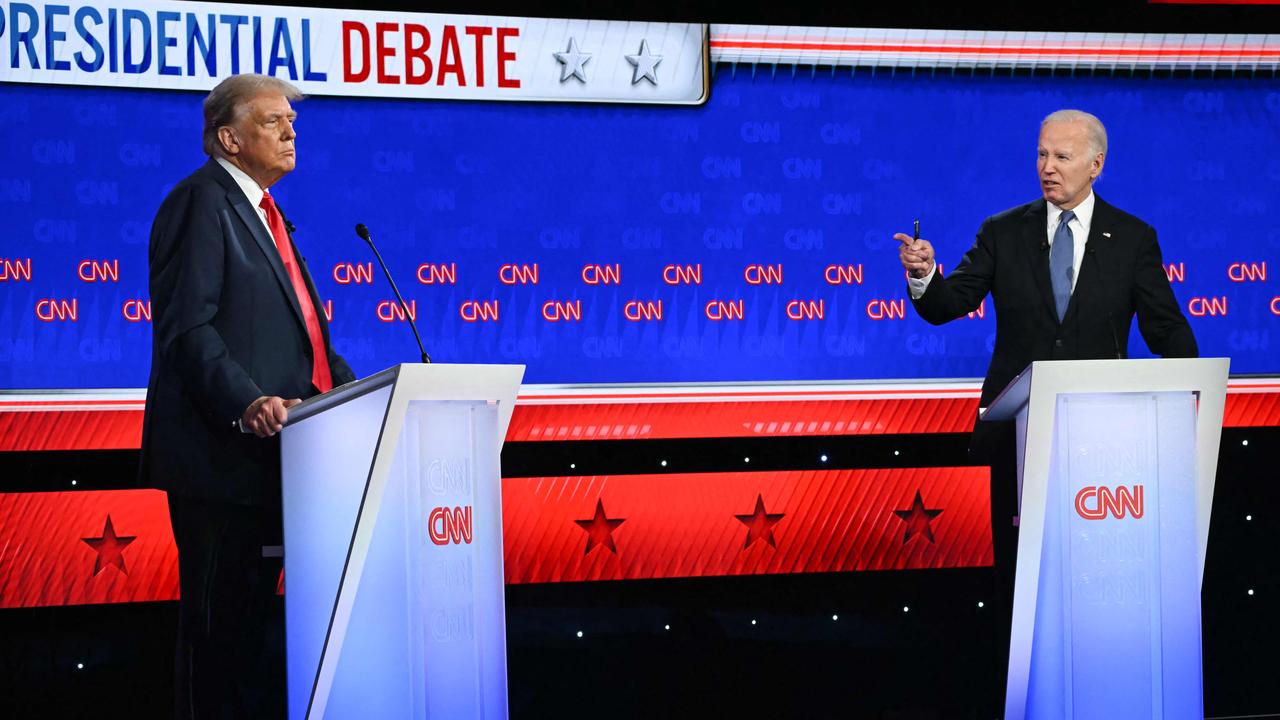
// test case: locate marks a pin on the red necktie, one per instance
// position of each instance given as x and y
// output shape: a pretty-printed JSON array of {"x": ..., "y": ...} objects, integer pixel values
[{"x": 320, "y": 375}]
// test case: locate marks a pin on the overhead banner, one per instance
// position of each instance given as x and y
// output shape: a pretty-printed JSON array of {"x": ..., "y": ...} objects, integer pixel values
[{"x": 192, "y": 45}]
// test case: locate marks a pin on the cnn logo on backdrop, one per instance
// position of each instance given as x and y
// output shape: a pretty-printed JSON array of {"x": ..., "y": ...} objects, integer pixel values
[
  {"x": 1097, "y": 503},
  {"x": 450, "y": 526}
]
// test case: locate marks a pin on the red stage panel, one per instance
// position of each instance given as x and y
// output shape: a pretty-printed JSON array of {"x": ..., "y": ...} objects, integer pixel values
[
  {"x": 623, "y": 527},
  {"x": 94, "y": 424},
  {"x": 95, "y": 429},
  {"x": 770, "y": 418},
  {"x": 56, "y": 548},
  {"x": 1252, "y": 409},
  {"x": 64, "y": 422}
]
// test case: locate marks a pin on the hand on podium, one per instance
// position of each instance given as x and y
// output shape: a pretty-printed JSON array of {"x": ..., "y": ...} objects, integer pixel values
[{"x": 267, "y": 415}]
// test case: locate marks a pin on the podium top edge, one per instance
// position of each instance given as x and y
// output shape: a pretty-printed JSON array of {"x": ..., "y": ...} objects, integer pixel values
[
  {"x": 1159, "y": 374},
  {"x": 341, "y": 394},
  {"x": 406, "y": 372}
]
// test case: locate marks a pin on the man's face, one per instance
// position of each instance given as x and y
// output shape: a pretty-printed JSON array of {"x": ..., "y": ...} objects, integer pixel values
[
  {"x": 261, "y": 140},
  {"x": 1066, "y": 163}
]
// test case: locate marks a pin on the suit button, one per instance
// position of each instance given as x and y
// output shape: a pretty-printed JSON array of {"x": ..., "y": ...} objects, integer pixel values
[{"x": 1057, "y": 343}]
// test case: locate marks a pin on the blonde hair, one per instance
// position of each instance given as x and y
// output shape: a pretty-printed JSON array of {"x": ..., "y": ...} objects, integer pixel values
[{"x": 226, "y": 101}]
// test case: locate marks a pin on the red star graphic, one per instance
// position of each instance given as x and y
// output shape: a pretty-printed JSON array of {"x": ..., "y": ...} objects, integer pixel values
[
  {"x": 599, "y": 529},
  {"x": 110, "y": 549},
  {"x": 760, "y": 524},
  {"x": 918, "y": 519}
]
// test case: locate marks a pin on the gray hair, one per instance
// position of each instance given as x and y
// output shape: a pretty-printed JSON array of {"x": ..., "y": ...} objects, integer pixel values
[
  {"x": 226, "y": 101},
  {"x": 1092, "y": 125}
]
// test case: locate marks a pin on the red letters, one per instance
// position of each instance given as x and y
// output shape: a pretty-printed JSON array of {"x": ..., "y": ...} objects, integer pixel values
[
  {"x": 843, "y": 274},
  {"x": 1108, "y": 502},
  {"x": 447, "y": 526},
  {"x": 505, "y": 57},
  {"x": 349, "y": 74},
  {"x": 417, "y": 40},
  {"x": 383, "y": 52},
  {"x": 365, "y": 48},
  {"x": 450, "y": 57},
  {"x": 479, "y": 33},
  {"x": 806, "y": 310}
]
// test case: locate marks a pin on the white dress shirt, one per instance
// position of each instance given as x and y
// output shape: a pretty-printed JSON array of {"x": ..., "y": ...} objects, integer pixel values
[
  {"x": 251, "y": 190},
  {"x": 1079, "y": 232}
]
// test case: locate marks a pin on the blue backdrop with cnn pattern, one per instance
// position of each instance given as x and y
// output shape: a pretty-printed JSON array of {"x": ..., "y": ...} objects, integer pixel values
[{"x": 780, "y": 196}]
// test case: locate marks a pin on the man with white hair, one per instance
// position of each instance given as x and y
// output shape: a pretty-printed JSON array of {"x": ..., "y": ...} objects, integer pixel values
[
  {"x": 238, "y": 337},
  {"x": 1067, "y": 273}
]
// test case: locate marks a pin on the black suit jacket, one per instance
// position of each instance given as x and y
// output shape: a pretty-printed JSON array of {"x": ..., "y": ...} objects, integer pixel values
[
  {"x": 1121, "y": 275},
  {"x": 226, "y": 329}
]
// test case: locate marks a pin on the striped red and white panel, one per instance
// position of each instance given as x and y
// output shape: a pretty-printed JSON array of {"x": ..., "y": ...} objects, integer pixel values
[
  {"x": 882, "y": 47},
  {"x": 112, "y": 419}
]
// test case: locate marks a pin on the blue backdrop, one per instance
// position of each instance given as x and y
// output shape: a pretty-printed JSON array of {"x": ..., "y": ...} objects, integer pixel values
[{"x": 802, "y": 170}]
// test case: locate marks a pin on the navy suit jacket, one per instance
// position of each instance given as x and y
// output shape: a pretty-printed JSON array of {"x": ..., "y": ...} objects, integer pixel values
[
  {"x": 1121, "y": 275},
  {"x": 226, "y": 330}
]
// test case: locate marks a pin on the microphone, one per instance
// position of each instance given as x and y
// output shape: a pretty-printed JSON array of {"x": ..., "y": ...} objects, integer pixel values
[
  {"x": 363, "y": 232},
  {"x": 1111, "y": 323},
  {"x": 288, "y": 226}
]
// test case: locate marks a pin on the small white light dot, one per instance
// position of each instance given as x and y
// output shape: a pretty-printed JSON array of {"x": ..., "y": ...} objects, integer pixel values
[
  {"x": 666, "y": 627},
  {"x": 895, "y": 452},
  {"x": 1244, "y": 442},
  {"x": 1250, "y": 591},
  {"x": 746, "y": 459},
  {"x": 573, "y": 466},
  {"x": 835, "y": 617},
  {"x": 579, "y": 633},
  {"x": 753, "y": 622},
  {"x": 1248, "y": 517},
  {"x": 663, "y": 463},
  {"x": 906, "y": 609},
  {"x": 73, "y": 482},
  {"x": 79, "y": 666},
  {"x": 823, "y": 458},
  {"x": 981, "y": 604}
]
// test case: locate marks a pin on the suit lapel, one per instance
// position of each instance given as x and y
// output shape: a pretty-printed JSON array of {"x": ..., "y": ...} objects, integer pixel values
[
  {"x": 249, "y": 216},
  {"x": 1035, "y": 221},
  {"x": 270, "y": 253}
]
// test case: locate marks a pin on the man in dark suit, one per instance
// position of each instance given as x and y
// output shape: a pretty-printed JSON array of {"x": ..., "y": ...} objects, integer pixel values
[
  {"x": 1067, "y": 273},
  {"x": 238, "y": 338}
]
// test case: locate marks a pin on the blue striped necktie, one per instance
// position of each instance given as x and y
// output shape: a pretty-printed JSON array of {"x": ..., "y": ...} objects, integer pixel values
[{"x": 1060, "y": 260}]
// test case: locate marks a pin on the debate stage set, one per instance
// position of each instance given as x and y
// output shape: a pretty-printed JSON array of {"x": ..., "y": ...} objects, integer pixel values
[{"x": 685, "y": 448}]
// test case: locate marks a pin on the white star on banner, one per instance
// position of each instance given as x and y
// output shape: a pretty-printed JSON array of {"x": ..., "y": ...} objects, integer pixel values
[
  {"x": 646, "y": 65},
  {"x": 573, "y": 61}
]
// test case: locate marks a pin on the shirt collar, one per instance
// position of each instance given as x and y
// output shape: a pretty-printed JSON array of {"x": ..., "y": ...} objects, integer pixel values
[
  {"x": 247, "y": 184},
  {"x": 1083, "y": 211}
]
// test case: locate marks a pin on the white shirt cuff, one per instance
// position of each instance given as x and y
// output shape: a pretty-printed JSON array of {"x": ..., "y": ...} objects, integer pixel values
[{"x": 917, "y": 286}]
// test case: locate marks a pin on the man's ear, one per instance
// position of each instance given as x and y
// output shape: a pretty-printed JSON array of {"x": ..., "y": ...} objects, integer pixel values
[
  {"x": 228, "y": 140},
  {"x": 1098, "y": 161}
]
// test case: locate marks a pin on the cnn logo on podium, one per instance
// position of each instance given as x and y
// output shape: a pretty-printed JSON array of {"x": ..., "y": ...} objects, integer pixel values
[
  {"x": 1097, "y": 503},
  {"x": 450, "y": 526}
]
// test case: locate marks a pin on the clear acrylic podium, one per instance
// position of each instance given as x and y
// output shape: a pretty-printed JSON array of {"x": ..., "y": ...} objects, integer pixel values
[
  {"x": 393, "y": 545},
  {"x": 1116, "y": 463}
]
